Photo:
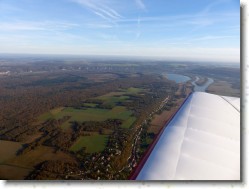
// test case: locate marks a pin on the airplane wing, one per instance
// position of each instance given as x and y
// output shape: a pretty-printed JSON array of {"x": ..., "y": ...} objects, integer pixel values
[{"x": 201, "y": 142}]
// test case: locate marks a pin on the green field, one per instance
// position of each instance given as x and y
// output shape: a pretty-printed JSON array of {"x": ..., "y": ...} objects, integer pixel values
[
  {"x": 128, "y": 123},
  {"x": 92, "y": 111},
  {"x": 89, "y": 114},
  {"x": 123, "y": 92},
  {"x": 112, "y": 100},
  {"x": 118, "y": 109},
  {"x": 106, "y": 107},
  {"x": 133, "y": 90},
  {"x": 95, "y": 143},
  {"x": 90, "y": 105}
]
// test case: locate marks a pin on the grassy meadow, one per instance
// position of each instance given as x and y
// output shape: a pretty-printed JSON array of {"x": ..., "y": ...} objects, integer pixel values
[
  {"x": 90, "y": 111},
  {"x": 94, "y": 143}
]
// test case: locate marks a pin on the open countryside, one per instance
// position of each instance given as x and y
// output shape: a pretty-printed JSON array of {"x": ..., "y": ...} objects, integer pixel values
[{"x": 87, "y": 128}]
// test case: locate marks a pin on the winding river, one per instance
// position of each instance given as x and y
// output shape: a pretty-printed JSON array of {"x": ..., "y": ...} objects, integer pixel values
[
  {"x": 182, "y": 79},
  {"x": 202, "y": 88}
]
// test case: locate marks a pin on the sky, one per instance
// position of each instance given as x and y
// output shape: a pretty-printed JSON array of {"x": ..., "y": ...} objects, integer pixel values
[{"x": 207, "y": 30}]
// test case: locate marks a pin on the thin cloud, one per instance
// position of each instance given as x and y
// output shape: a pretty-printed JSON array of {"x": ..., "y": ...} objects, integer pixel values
[
  {"x": 99, "y": 25},
  {"x": 138, "y": 33},
  {"x": 194, "y": 19},
  {"x": 35, "y": 26},
  {"x": 140, "y": 4},
  {"x": 205, "y": 12},
  {"x": 100, "y": 9}
]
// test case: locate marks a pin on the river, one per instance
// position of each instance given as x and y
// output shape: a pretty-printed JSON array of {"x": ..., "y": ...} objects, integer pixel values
[
  {"x": 182, "y": 79},
  {"x": 202, "y": 88},
  {"x": 177, "y": 77}
]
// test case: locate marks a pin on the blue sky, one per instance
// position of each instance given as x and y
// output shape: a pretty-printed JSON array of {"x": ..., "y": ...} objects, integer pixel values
[{"x": 172, "y": 29}]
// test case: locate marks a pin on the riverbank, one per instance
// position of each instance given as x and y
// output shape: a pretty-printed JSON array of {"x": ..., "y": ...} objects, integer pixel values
[{"x": 204, "y": 86}]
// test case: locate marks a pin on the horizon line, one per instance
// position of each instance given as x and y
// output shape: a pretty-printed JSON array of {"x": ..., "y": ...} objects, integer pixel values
[{"x": 155, "y": 58}]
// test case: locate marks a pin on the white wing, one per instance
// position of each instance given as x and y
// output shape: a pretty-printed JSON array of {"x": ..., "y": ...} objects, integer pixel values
[{"x": 201, "y": 142}]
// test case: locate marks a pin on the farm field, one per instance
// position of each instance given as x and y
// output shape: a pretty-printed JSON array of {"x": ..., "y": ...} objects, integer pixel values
[
  {"x": 113, "y": 100},
  {"x": 14, "y": 166},
  {"x": 128, "y": 123},
  {"x": 159, "y": 120},
  {"x": 9, "y": 149},
  {"x": 123, "y": 92},
  {"x": 90, "y": 105},
  {"x": 88, "y": 114},
  {"x": 9, "y": 172},
  {"x": 36, "y": 156},
  {"x": 94, "y": 110},
  {"x": 223, "y": 88},
  {"x": 94, "y": 143},
  {"x": 91, "y": 111}
]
